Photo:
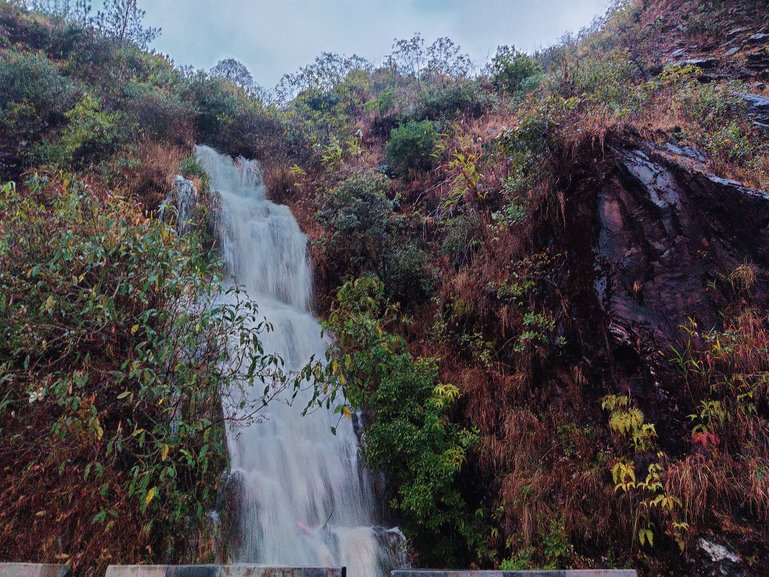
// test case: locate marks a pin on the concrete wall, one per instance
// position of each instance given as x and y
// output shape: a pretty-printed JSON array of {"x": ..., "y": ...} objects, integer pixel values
[
  {"x": 32, "y": 570},
  {"x": 564, "y": 573},
  {"x": 219, "y": 571}
]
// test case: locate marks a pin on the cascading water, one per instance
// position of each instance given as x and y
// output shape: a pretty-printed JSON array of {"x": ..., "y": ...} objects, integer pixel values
[{"x": 305, "y": 498}]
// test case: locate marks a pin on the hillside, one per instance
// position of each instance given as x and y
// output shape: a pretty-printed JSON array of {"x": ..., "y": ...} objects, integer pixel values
[{"x": 548, "y": 282}]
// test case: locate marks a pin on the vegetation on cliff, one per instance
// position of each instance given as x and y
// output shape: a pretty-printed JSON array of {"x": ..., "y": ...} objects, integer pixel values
[{"x": 459, "y": 226}]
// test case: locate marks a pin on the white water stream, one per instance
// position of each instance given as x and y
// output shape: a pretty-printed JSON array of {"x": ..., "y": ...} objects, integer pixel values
[{"x": 306, "y": 499}]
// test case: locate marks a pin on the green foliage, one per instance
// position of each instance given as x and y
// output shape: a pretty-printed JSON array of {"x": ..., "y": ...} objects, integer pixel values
[
  {"x": 34, "y": 97},
  {"x": 191, "y": 168},
  {"x": 360, "y": 216},
  {"x": 710, "y": 105},
  {"x": 159, "y": 112},
  {"x": 113, "y": 350},
  {"x": 629, "y": 422},
  {"x": 608, "y": 80},
  {"x": 730, "y": 141},
  {"x": 450, "y": 101},
  {"x": 90, "y": 135},
  {"x": 412, "y": 147},
  {"x": 513, "y": 72},
  {"x": 411, "y": 437},
  {"x": 521, "y": 560},
  {"x": 409, "y": 277}
]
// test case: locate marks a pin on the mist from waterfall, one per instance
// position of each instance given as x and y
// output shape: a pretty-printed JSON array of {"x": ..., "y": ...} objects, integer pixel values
[{"x": 305, "y": 497}]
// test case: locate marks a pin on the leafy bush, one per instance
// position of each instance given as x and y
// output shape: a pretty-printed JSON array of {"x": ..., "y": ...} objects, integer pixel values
[
  {"x": 710, "y": 105},
  {"x": 513, "y": 72},
  {"x": 411, "y": 147},
  {"x": 111, "y": 362},
  {"x": 609, "y": 80},
  {"x": 92, "y": 134},
  {"x": 408, "y": 277},
  {"x": 411, "y": 437},
  {"x": 361, "y": 219},
  {"x": 453, "y": 100},
  {"x": 34, "y": 98},
  {"x": 159, "y": 114}
]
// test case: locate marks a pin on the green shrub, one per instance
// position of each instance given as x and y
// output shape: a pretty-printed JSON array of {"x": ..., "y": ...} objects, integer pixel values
[
  {"x": 34, "y": 98},
  {"x": 453, "y": 100},
  {"x": 411, "y": 437},
  {"x": 710, "y": 105},
  {"x": 361, "y": 220},
  {"x": 92, "y": 134},
  {"x": 412, "y": 147},
  {"x": 159, "y": 114},
  {"x": 408, "y": 276},
  {"x": 609, "y": 80},
  {"x": 513, "y": 72}
]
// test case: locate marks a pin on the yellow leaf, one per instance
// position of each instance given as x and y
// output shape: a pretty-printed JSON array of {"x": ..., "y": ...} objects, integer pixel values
[
  {"x": 346, "y": 411},
  {"x": 164, "y": 452},
  {"x": 135, "y": 329},
  {"x": 150, "y": 496}
]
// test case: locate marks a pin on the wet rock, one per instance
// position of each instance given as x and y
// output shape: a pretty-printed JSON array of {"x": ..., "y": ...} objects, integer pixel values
[
  {"x": 704, "y": 63},
  {"x": 228, "y": 509},
  {"x": 732, "y": 51},
  {"x": 760, "y": 38},
  {"x": 179, "y": 205},
  {"x": 758, "y": 108},
  {"x": 687, "y": 151},
  {"x": 393, "y": 549},
  {"x": 667, "y": 229},
  {"x": 716, "y": 560},
  {"x": 757, "y": 61}
]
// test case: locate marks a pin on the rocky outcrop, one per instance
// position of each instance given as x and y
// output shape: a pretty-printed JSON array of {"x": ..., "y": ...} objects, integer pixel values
[
  {"x": 179, "y": 204},
  {"x": 758, "y": 109},
  {"x": 670, "y": 235}
]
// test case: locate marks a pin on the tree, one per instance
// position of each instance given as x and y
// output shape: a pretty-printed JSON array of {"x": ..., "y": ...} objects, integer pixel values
[
  {"x": 324, "y": 74},
  {"x": 123, "y": 20},
  {"x": 234, "y": 71},
  {"x": 444, "y": 59},
  {"x": 408, "y": 56}
]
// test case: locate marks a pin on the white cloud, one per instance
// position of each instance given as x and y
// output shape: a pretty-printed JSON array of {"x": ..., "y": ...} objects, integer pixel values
[{"x": 273, "y": 37}]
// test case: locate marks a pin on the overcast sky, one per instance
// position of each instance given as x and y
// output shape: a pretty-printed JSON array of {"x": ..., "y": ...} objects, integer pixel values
[{"x": 274, "y": 37}]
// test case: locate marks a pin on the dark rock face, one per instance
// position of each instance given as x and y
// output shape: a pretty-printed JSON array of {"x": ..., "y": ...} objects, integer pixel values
[
  {"x": 668, "y": 231},
  {"x": 758, "y": 109},
  {"x": 651, "y": 239}
]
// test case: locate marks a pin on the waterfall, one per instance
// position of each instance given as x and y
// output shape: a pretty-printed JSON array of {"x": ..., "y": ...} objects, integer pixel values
[{"x": 305, "y": 498}]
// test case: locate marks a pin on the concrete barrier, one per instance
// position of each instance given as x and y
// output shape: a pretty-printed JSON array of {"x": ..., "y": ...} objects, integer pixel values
[
  {"x": 220, "y": 571},
  {"x": 543, "y": 573},
  {"x": 32, "y": 570}
]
